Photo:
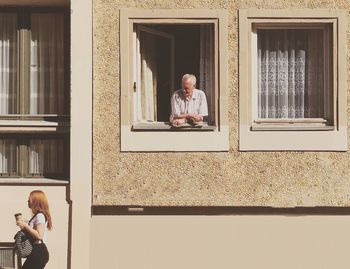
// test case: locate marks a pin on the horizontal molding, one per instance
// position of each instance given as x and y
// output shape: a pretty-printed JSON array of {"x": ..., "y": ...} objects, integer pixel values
[
  {"x": 21, "y": 181},
  {"x": 217, "y": 210},
  {"x": 32, "y": 129},
  {"x": 36, "y": 3},
  {"x": 31, "y": 125}
]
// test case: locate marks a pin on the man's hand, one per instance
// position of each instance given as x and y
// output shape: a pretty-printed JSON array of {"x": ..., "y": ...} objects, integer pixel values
[
  {"x": 178, "y": 121},
  {"x": 194, "y": 117}
]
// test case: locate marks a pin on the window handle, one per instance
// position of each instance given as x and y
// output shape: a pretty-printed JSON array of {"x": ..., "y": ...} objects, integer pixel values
[{"x": 134, "y": 87}]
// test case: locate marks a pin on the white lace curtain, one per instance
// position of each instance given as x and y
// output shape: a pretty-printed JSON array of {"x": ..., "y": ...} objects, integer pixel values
[
  {"x": 290, "y": 73},
  {"x": 8, "y": 63},
  {"x": 47, "y": 64},
  {"x": 206, "y": 66},
  {"x": 46, "y": 156}
]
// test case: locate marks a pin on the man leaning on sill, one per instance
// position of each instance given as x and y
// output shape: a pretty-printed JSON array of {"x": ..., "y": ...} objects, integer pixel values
[{"x": 188, "y": 105}]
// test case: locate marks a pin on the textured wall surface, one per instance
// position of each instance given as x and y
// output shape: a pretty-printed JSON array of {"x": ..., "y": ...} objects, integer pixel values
[{"x": 233, "y": 178}]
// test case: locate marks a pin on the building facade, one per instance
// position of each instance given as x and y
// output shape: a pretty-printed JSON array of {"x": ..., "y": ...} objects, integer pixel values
[{"x": 263, "y": 183}]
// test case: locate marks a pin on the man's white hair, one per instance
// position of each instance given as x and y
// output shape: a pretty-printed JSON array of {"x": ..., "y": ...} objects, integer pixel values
[{"x": 189, "y": 77}]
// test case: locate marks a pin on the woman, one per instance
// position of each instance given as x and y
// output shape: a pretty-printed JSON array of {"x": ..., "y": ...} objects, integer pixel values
[{"x": 38, "y": 226}]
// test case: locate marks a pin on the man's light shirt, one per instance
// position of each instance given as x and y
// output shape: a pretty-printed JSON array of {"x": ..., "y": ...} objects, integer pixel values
[{"x": 197, "y": 104}]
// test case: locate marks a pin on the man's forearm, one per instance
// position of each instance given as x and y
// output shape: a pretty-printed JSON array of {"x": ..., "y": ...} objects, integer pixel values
[
  {"x": 181, "y": 116},
  {"x": 189, "y": 116}
]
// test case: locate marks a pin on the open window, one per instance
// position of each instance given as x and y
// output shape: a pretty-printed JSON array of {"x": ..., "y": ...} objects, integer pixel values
[
  {"x": 162, "y": 54},
  {"x": 292, "y": 80},
  {"x": 157, "y": 48}
]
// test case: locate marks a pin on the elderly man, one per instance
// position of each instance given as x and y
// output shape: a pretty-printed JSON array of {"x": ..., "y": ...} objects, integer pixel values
[{"x": 188, "y": 104}]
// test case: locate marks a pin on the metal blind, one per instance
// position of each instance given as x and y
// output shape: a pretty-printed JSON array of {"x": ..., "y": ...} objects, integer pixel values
[{"x": 7, "y": 257}]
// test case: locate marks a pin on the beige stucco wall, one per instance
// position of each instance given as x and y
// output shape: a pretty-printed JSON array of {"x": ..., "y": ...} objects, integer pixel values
[{"x": 229, "y": 178}]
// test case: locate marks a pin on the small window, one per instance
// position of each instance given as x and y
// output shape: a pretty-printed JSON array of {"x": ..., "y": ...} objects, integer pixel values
[
  {"x": 34, "y": 92},
  {"x": 160, "y": 50},
  {"x": 291, "y": 83}
]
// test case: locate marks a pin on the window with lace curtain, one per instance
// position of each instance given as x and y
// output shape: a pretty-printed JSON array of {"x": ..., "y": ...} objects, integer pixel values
[
  {"x": 34, "y": 92},
  {"x": 292, "y": 80}
]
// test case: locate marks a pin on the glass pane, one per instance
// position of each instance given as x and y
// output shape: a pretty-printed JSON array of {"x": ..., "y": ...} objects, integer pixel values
[
  {"x": 8, "y": 63},
  {"x": 8, "y": 156},
  {"x": 47, "y": 64},
  {"x": 46, "y": 157},
  {"x": 291, "y": 73}
]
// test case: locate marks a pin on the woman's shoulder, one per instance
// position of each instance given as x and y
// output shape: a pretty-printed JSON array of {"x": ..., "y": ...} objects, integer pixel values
[
  {"x": 39, "y": 217},
  {"x": 40, "y": 214}
]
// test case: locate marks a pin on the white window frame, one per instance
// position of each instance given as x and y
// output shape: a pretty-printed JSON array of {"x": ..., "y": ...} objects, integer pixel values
[
  {"x": 155, "y": 139},
  {"x": 291, "y": 134}
]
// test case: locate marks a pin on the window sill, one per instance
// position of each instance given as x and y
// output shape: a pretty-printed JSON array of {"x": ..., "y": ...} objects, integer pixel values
[
  {"x": 291, "y": 127},
  {"x": 32, "y": 181},
  {"x": 298, "y": 124},
  {"x": 165, "y": 126},
  {"x": 30, "y": 125},
  {"x": 34, "y": 116},
  {"x": 154, "y": 140}
]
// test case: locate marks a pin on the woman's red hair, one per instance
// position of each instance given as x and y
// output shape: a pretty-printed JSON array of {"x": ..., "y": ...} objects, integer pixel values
[{"x": 38, "y": 203}]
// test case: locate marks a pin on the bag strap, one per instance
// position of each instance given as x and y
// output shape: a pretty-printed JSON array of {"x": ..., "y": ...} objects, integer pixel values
[
  {"x": 33, "y": 217},
  {"x": 37, "y": 214}
]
